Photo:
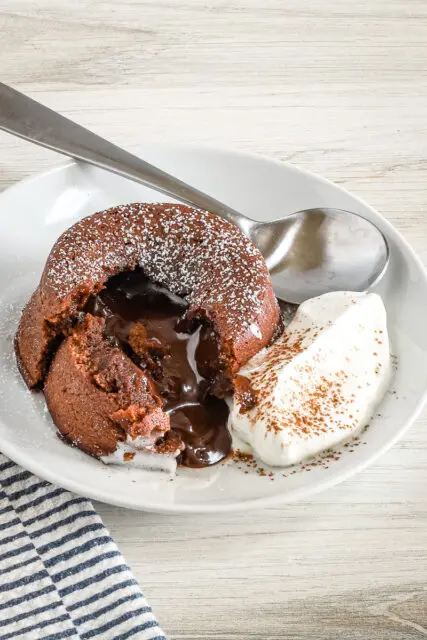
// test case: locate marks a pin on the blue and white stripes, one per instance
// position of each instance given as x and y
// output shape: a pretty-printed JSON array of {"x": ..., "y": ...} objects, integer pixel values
[{"x": 61, "y": 574}]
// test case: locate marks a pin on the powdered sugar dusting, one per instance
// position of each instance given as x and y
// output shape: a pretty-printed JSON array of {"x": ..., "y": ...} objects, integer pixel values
[
  {"x": 189, "y": 251},
  {"x": 255, "y": 330}
]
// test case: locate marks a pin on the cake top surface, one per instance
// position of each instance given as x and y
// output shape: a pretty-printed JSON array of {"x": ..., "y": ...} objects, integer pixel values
[{"x": 192, "y": 252}]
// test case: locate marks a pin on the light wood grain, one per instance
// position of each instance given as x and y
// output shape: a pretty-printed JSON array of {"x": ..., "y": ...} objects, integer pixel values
[{"x": 337, "y": 87}]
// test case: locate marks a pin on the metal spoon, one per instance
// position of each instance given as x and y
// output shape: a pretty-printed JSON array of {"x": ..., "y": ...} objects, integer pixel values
[{"x": 308, "y": 253}]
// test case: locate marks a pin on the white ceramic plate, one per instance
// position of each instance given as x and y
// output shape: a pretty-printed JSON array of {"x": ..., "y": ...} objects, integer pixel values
[{"x": 35, "y": 212}]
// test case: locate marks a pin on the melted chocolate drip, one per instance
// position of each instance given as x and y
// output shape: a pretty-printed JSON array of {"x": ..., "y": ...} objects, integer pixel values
[{"x": 143, "y": 318}]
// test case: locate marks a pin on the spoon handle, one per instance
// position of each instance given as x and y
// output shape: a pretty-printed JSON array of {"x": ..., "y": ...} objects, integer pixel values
[{"x": 28, "y": 119}]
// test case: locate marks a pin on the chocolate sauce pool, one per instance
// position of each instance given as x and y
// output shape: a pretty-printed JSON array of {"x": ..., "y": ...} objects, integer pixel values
[{"x": 170, "y": 356}]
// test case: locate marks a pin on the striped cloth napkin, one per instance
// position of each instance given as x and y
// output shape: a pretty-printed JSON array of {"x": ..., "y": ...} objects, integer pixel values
[{"x": 61, "y": 574}]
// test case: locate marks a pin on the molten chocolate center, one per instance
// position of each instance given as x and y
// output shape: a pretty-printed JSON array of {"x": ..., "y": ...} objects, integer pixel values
[{"x": 143, "y": 319}]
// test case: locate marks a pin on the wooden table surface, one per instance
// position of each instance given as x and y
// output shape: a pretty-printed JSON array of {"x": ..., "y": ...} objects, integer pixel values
[{"x": 338, "y": 87}]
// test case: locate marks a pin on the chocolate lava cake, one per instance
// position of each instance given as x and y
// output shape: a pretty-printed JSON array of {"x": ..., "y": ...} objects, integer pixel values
[{"x": 143, "y": 316}]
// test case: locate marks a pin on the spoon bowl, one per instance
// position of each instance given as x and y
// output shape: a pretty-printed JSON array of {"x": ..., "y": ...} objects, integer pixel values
[{"x": 315, "y": 251}]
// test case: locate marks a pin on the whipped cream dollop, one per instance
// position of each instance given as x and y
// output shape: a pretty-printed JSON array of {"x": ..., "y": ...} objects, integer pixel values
[{"x": 319, "y": 383}]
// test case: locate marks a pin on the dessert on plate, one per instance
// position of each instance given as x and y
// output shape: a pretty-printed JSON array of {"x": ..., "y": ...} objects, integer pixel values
[
  {"x": 143, "y": 316},
  {"x": 156, "y": 338}
]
